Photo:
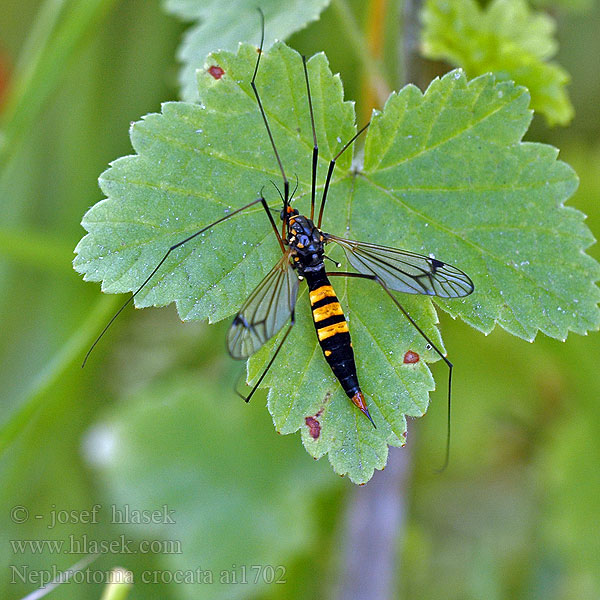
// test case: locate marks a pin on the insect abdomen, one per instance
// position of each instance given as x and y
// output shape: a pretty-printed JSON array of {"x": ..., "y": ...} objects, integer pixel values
[{"x": 334, "y": 336}]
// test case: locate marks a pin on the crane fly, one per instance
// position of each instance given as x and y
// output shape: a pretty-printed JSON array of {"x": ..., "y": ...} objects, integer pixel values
[{"x": 302, "y": 241}]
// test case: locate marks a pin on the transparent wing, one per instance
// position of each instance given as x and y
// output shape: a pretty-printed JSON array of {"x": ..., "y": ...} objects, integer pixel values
[
  {"x": 265, "y": 311},
  {"x": 406, "y": 271}
]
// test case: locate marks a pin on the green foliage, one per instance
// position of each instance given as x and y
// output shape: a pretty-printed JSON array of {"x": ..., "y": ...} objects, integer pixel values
[
  {"x": 506, "y": 38},
  {"x": 54, "y": 41},
  {"x": 511, "y": 516},
  {"x": 567, "y": 5},
  {"x": 501, "y": 220},
  {"x": 223, "y": 25},
  {"x": 225, "y": 531}
]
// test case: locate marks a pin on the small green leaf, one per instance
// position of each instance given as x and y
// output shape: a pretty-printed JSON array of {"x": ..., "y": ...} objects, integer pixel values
[
  {"x": 445, "y": 173},
  {"x": 508, "y": 39},
  {"x": 224, "y": 24}
]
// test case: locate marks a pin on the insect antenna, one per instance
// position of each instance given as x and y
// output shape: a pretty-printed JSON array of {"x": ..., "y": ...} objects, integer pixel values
[
  {"x": 295, "y": 188},
  {"x": 278, "y": 190},
  {"x": 286, "y": 183}
]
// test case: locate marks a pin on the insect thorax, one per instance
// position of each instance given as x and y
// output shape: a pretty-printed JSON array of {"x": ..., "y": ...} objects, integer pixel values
[{"x": 306, "y": 243}]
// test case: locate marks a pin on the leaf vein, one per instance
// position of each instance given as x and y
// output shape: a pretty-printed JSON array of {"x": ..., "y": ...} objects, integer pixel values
[{"x": 456, "y": 135}]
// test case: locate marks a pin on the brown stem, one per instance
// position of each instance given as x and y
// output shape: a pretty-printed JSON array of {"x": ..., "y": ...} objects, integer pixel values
[
  {"x": 374, "y": 521},
  {"x": 376, "y": 513},
  {"x": 375, "y": 92},
  {"x": 412, "y": 61}
]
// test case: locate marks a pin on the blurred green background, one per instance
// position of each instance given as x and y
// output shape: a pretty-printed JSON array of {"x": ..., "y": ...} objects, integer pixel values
[{"x": 152, "y": 420}]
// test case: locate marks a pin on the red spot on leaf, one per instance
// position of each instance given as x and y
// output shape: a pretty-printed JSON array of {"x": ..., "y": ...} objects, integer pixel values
[
  {"x": 314, "y": 427},
  {"x": 216, "y": 71},
  {"x": 411, "y": 357}
]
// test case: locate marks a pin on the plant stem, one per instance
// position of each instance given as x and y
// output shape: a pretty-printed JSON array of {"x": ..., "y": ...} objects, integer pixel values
[
  {"x": 374, "y": 522},
  {"x": 412, "y": 61},
  {"x": 372, "y": 68},
  {"x": 65, "y": 576},
  {"x": 375, "y": 36},
  {"x": 122, "y": 581},
  {"x": 376, "y": 513}
]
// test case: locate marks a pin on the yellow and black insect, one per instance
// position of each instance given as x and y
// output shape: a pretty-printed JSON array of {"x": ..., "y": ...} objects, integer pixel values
[
  {"x": 302, "y": 243},
  {"x": 272, "y": 304}
]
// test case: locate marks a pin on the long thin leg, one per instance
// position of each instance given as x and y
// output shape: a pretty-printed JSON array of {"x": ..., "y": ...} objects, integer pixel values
[
  {"x": 427, "y": 339},
  {"x": 286, "y": 183},
  {"x": 330, "y": 172},
  {"x": 315, "y": 155},
  {"x": 164, "y": 258},
  {"x": 247, "y": 398}
]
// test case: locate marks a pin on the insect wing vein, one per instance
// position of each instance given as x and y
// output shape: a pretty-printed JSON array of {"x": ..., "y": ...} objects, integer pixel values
[
  {"x": 406, "y": 272},
  {"x": 265, "y": 311}
]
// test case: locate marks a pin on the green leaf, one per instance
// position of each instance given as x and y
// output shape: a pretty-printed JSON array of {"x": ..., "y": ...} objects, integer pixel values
[
  {"x": 165, "y": 448},
  {"x": 445, "y": 173},
  {"x": 508, "y": 39},
  {"x": 222, "y": 25}
]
